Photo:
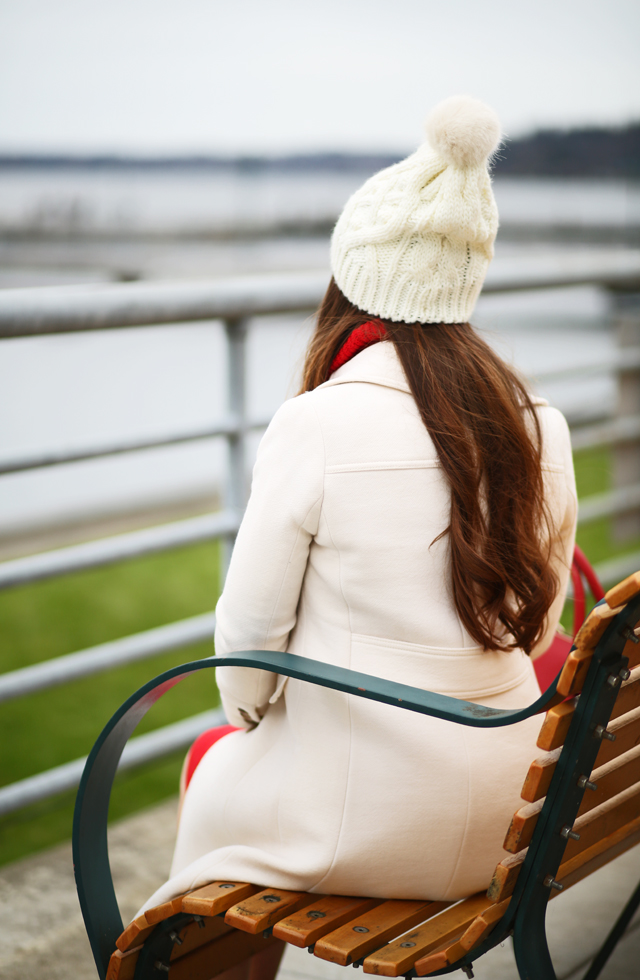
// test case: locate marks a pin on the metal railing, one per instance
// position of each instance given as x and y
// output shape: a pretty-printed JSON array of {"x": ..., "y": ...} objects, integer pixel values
[{"x": 41, "y": 311}]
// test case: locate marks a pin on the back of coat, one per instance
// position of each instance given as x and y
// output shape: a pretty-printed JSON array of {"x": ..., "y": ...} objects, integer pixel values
[{"x": 340, "y": 559}]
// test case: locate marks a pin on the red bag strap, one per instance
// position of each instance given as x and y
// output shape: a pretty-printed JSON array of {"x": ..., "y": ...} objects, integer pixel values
[{"x": 582, "y": 568}]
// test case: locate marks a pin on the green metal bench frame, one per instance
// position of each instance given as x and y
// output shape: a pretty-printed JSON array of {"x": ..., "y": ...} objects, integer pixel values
[{"x": 525, "y": 915}]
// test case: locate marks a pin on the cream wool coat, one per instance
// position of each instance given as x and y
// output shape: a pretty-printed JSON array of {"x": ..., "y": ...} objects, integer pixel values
[{"x": 334, "y": 561}]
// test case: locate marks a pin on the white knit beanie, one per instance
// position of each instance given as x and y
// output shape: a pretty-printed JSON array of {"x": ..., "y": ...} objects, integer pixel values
[{"x": 415, "y": 241}]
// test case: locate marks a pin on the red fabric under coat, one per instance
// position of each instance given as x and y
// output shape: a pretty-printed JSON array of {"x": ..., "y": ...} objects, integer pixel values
[
  {"x": 202, "y": 744},
  {"x": 361, "y": 337}
]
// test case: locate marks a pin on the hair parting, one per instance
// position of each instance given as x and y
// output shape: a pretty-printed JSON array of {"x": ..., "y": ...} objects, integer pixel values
[{"x": 485, "y": 429}]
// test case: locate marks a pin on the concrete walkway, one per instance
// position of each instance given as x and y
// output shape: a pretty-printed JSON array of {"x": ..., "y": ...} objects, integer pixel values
[{"x": 42, "y": 936}]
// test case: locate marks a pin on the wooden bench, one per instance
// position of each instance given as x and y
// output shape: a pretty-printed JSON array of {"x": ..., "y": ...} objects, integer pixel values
[{"x": 581, "y": 809}]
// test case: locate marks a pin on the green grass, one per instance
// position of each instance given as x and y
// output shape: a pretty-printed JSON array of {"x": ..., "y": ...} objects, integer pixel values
[
  {"x": 62, "y": 615},
  {"x": 593, "y": 475},
  {"x": 51, "y": 618}
]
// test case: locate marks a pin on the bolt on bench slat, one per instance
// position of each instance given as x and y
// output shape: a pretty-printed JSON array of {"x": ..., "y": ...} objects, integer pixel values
[
  {"x": 305, "y": 927},
  {"x": 611, "y": 779},
  {"x": 399, "y": 956},
  {"x": 262, "y": 910},
  {"x": 605, "y": 820},
  {"x": 216, "y": 897},
  {"x": 361, "y": 936}
]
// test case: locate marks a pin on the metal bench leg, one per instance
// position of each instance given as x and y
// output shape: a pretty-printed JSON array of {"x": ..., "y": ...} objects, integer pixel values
[
  {"x": 614, "y": 936},
  {"x": 530, "y": 942}
]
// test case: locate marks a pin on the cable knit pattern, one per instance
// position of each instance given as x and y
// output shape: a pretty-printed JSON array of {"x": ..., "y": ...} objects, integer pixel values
[{"x": 415, "y": 241}]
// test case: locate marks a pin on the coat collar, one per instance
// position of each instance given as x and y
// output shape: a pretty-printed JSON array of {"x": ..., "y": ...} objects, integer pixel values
[{"x": 377, "y": 365}]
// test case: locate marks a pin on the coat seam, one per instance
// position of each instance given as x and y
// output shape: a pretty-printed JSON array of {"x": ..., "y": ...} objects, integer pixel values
[
  {"x": 326, "y": 519},
  {"x": 466, "y": 818},
  {"x": 344, "y": 797},
  {"x": 297, "y": 538}
]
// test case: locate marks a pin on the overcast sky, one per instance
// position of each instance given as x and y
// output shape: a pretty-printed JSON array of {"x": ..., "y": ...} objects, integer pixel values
[{"x": 273, "y": 76}]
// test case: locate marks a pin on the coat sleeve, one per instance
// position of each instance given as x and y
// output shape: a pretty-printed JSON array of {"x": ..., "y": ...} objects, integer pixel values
[
  {"x": 562, "y": 500},
  {"x": 257, "y": 609}
]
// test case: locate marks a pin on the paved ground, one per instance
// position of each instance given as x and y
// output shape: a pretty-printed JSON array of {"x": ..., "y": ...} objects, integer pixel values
[{"x": 42, "y": 937}]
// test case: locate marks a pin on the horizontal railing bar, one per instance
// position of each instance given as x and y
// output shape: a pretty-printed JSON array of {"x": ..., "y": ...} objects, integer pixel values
[
  {"x": 106, "y": 551},
  {"x": 611, "y": 269},
  {"x": 228, "y": 427},
  {"x": 623, "y": 429},
  {"x": 624, "y": 360},
  {"x": 616, "y": 501},
  {"x": 105, "y": 656},
  {"x": 64, "y": 309},
  {"x": 144, "y": 748},
  {"x": 615, "y": 569}
]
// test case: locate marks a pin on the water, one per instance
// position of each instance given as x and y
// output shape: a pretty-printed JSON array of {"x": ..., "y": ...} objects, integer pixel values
[
  {"x": 172, "y": 201},
  {"x": 80, "y": 390}
]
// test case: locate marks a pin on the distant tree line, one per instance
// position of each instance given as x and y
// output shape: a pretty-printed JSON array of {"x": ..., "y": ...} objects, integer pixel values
[
  {"x": 573, "y": 153},
  {"x": 589, "y": 152}
]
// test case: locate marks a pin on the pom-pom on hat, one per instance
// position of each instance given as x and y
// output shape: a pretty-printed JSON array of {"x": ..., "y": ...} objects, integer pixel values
[{"x": 415, "y": 241}]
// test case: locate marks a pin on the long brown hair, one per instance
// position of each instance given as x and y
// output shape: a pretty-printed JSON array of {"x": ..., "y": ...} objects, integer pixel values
[{"x": 482, "y": 421}]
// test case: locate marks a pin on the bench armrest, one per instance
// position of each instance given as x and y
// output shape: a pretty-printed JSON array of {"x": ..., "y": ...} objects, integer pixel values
[{"x": 385, "y": 691}]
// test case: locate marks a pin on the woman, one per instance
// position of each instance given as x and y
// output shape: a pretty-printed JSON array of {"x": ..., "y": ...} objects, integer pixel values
[{"x": 412, "y": 516}]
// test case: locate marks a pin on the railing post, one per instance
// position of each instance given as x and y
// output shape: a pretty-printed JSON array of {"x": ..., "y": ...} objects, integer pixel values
[
  {"x": 626, "y": 455},
  {"x": 235, "y": 489}
]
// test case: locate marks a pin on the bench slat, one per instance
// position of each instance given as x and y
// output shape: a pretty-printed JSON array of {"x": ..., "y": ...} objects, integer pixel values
[
  {"x": 369, "y": 931},
  {"x": 208, "y": 961},
  {"x": 557, "y": 720},
  {"x": 538, "y": 778},
  {"x": 122, "y": 965},
  {"x": 397, "y": 958},
  {"x": 135, "y": 934},
  {"x": 445, "y": 955},
  {"x": 628, "y": 695},
  {"x": 453, "y": 948},
  {"x": 578, "y": 662},
  {"x": 193, "y": 935},
  {"x": 599, "y": 854},
  {"x": 216, "y": 897},
  {"x": 594, "y": 626},
  {"x": 621, "y": 593},
  {"x": 556, "y": 725},
  {"x": 603, "y": 821},
  {"x": 209, "y": 900},
  {"x": 483, "y": 924},
  {"x": 611, "y": 779},
  {"x": 265, "y": 908},
  {"x": 324, "y": 916},
  {"x": 626, "y": 728}
]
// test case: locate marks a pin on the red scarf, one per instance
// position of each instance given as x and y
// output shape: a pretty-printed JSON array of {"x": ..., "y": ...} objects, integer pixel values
[{"x": 361, "y": 337}]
